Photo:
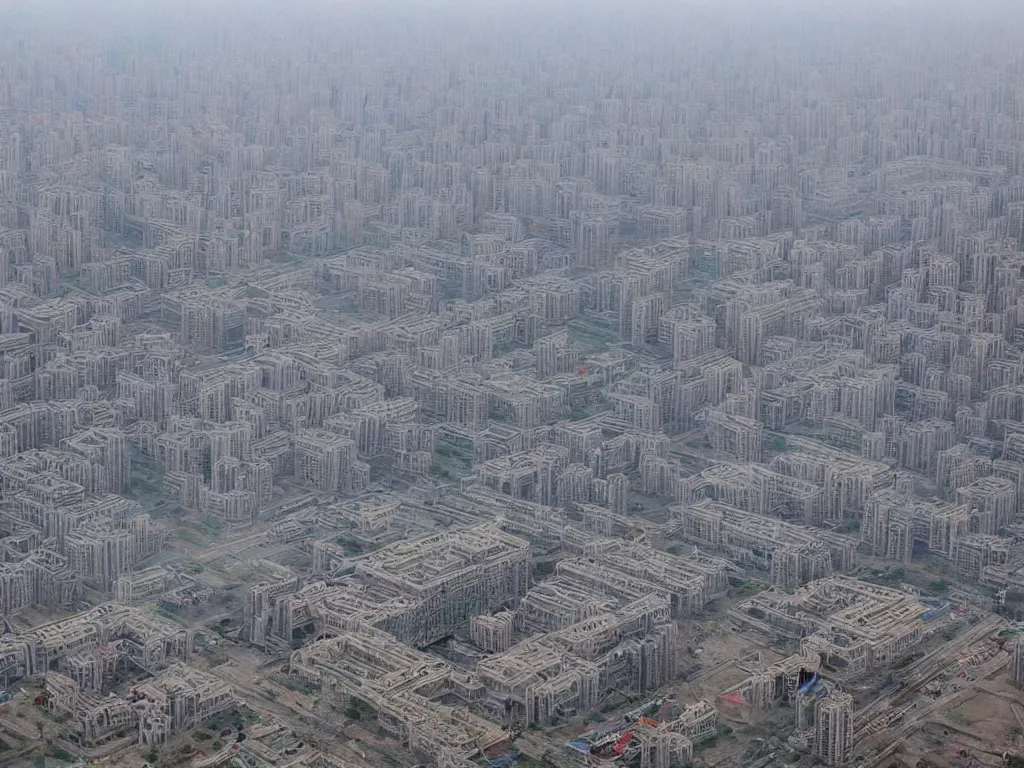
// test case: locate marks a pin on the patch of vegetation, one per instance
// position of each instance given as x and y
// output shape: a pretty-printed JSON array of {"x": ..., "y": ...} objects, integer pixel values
[
  {"x": 364, "y": 709},
  {"x": 291, "y": 683},
  {"x": 188, "y": 536},
  {"x": 151, "y": 757},
  {"x": 939, "y": 586},
  {"x": 577, "y": 414},
  {"x": 437, "y": 470},
  {"x": 352, "y": 713},
  {"x": 525, "y": 761},
  {"x": 741, "y": 588},
  {"x": 885, "y": 576},
  {"x": 707, "y": 744},
  {"x": 213, "y": 525}
]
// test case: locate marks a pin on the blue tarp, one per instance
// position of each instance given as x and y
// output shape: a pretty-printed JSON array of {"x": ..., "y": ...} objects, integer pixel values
[
  {"x": 933, "y": 613},
  {"x": 810, "y": 685}
]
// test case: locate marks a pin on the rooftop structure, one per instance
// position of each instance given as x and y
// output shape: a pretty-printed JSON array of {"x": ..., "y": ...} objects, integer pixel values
[{"x": 855, "y": 626}]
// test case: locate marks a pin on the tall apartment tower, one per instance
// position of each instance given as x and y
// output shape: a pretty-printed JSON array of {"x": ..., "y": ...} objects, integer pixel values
[
  {"x": 1017, "y": 663},
  {"x": 833, "y": 732}
]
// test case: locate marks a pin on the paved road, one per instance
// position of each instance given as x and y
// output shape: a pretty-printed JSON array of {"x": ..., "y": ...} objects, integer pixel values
[{"x": 235, "y": 546}]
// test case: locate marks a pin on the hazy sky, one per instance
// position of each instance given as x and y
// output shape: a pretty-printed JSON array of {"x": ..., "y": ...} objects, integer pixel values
[
  {"x": 874, "y": 22},
  {"x": 877, "y": 10}
]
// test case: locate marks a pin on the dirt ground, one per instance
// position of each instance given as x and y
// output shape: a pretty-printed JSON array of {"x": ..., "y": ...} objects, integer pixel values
[{"x": 980, "y": 729}]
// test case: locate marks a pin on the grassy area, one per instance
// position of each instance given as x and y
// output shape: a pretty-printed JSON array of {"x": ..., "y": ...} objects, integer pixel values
[
  {"x": 742, "y": 588},
  {"x": 188, "y": 536},
  {"x": 212, "y": 526}
]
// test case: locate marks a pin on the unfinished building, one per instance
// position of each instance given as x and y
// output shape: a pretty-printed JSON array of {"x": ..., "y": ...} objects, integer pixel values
[
  {"x": 770, "y": 684},
  {"x": 448, "y": 578},
  {"x": 100, "y": 552},
  {"x": 178, "y": 700},
  {"x": 328, "y": 462},
  {"x": 833, "y": 729},
  {"x": 140, "y": 586},
  {"x": 791, "y": 555},
  {"x": 420, "y": 590},
  {"x": 895, "y": 521},
  {"x": 853, "y": 625},
  {"x": 676, "y": 572},
  {"x": 671, "y": 742},
  {"x": 569, "y": 671},
  {"x": 366, "y": 521},
  {"x": 660, "y": 733},
  {"x": 259, "y": 612},
  {"x": 92, "y": 719},
  {"x": 405, "y": 688},
  {"x": 627, "y": 570},
  {"x": 559, "y": 602},
  {"x": 139, "y": 638},
  {"x": 757, "y": 489},
  {"x": 531, "y": 476},
  {"x": 373, "y": 665}
]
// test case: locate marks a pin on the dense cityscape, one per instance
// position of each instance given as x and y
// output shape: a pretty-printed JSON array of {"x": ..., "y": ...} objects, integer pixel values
[{"x": 477, "y": 388}]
